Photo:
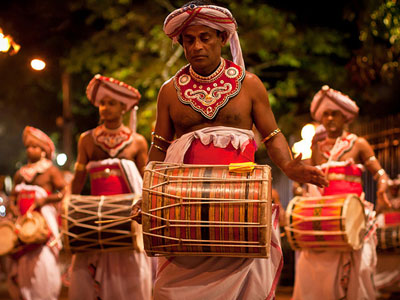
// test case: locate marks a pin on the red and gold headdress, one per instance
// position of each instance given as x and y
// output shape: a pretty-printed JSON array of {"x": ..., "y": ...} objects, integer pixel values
[
  {"x": 216, "y": 17},
  {"x": 34, "y": 135}
]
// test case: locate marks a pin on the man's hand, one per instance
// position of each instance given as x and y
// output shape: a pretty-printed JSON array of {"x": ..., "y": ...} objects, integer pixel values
[
  {"x": 300, "y": 172},
  {"x": 136, "y": 212},
  {"x": 39, "y": 202},
  {"x": 382, "y": 198}
]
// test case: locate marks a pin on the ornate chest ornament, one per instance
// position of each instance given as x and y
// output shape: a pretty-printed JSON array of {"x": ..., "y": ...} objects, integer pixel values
[
  {"x": 112, "y": 141},
  {"x": 207, "y": 95}
]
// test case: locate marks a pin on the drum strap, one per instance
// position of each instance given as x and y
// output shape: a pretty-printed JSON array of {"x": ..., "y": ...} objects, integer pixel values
[{"x": 99, "y": 211}]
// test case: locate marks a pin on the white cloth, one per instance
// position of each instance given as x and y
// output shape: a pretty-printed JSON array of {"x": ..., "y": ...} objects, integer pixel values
[
  {"x": 220, "y": 136},
  {"x": 122, "y": 275},
  {"x": 218, "y": 277},
  {"x": 34, "y": 276}
]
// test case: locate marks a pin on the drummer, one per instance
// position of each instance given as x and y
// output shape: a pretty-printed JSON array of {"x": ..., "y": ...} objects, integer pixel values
[
  {"x": 342, "y": 156},
  {"x": 33, "y": 270},
  {"x": 114, "y": 155},
  {"x": 210, "y": 106}
]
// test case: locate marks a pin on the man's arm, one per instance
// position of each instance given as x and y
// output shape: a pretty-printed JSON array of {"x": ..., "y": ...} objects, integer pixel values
[
  {"x": 372, "y": 164},
  {"x": 80, "y": 166},
  {"x": 164, "y": 128},
  {"x": 277, "y": 147},
  {"x": 142, "y": 153},
  {"x": 59, "y": 188}
]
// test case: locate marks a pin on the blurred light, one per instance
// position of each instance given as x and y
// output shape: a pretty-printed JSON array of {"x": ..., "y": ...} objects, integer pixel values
[
  {"x": 1, "y": 200},
  {"x": 308, "y": 132},
  {"x": 8, "y": 184},
  {"x": 303, "y": 147},
  {"x": 4, "y": 43},
  {"x": 61, "y": 159},
  {"x": 2, "y": 209},
  {"x": 7, "y": 44},
  {"x": 38, "y": 64}
]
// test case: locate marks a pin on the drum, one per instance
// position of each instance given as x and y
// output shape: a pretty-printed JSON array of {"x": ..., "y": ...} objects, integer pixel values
[
  {"x": 100, "y": 223},
  {"x": 206, "y": 210},
  {"x": 335, "y": 222},
  {"x": 8, "y": 237},
  {"x": 388, "y": 238},
  {"x": 388, "y": 218},
  {"x": 32, "y": 228}
]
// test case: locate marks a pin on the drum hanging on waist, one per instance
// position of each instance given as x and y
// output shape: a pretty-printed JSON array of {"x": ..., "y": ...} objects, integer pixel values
[
  {"x": 8, "y": 237},
  {"x": 388, "y": 238},
  {"x": 83, "y": 230},
  {"x": 32, "y": 228},
  {"x": 335, "y": 222},
  {"x": 206, "y": 210}
]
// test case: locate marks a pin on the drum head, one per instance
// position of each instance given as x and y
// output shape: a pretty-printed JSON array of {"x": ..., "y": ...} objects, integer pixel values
[
  {"x": 8, "y": 237},
  {"x": 33, "y": 228},
  {"x": 353, "y": 212}
]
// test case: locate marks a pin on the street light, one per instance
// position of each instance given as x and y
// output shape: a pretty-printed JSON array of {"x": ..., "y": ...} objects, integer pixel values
[
  {"x": 38, "y": 64},
  {"x": 304, "y": 146},
  {"x": 7, "y": 43}
]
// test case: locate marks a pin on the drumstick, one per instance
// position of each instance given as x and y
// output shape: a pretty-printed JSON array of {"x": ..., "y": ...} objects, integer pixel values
[{"x": 116, "y": 220}]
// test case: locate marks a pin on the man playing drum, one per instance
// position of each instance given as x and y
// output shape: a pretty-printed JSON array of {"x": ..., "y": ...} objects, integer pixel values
[
  {"x": 210, "y": 106},
  {"x": 114, "y": 156},
  {"x": 342, "y": 156},
  {"x": 38, "y": 185}
]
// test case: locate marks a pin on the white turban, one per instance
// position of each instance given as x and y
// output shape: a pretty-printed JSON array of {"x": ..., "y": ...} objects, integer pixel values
[
  {"x": 101, "y": 86},
  {"x": 216, "y": 17},
  {"x": 328, "y": 98}
]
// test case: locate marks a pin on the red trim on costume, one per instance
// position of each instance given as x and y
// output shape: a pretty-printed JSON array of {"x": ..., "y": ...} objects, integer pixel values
[
  {"x": 207, "y": 95},
  {"x": 345, "y": 144},
  {"x": 112, "y": 141}
]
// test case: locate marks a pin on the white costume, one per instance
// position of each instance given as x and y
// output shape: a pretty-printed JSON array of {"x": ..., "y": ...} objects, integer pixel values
[
  {"x": 112, "y": 275},
  {"x": 28, "y": 273},
  {"x": 218, "y": 277}
]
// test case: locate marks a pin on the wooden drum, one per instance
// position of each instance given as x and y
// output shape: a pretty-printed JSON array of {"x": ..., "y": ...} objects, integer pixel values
[
  {"x": 8, "y": 237},
  {"x": 388, "y": 238},
  {"x": 32, "y": 228},
  {"x": 84, "y": 229},
  {"x": 335, "y": 222},
  {"x": 206, "y": 210}
]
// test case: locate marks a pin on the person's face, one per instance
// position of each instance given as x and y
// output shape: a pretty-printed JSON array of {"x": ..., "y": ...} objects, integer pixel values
[
  {"x": 34, "y": 152},
  {"x": 333, "y": 121},
  {"x": 202, "y": 46},
  {"x": 110, "y": 109}
]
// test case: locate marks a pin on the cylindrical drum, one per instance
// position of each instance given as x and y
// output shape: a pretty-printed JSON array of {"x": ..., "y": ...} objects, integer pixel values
[
  {"x": 206, "y": 210},
  {"x": 335, "y": 222},
  {"x": 8, "y": 237},
  {"x": 100, "y": 223},
  {"x": 32, "y": 228},
  {"x": 388, "y": 238}
]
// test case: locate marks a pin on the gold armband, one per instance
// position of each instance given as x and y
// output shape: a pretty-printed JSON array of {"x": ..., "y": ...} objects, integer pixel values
[
  {"x": 371, "y": 158},
  {"x": 379, "y": 173},
  {"x": 79, "y": 167},
  {"x": 271, "y": 135},
  {"x": 159, "y": 137},
  {"x": 158, "y": 147}
]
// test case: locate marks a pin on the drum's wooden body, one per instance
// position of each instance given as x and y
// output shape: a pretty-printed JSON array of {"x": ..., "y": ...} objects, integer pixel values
[
  {"x": 388, "y": 238},
  {"x": 335, "y": 222},
  {"x": 83, "y": 233},
  {"x": 8, "y": 237},
  {"x": 32, "y": 228},
  {"x": 198, "y": 210}
]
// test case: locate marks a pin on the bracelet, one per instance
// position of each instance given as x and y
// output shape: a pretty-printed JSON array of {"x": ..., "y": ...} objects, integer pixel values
[
  {"x": 159, "y": 137},
  {"x": 371, "y": 158},
  {"x": 158, "y": 147},
  {"x": 379, "y": 173},
  {"x": 271, "y": 135},
  {"x": 79, "y": 167},
  {"x": 60, "y": 195}
]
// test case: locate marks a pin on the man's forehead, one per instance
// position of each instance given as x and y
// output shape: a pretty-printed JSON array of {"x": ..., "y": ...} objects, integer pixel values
[
  {"x": 331, "y": 111},
  {"x": 197, "y": 29}
]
